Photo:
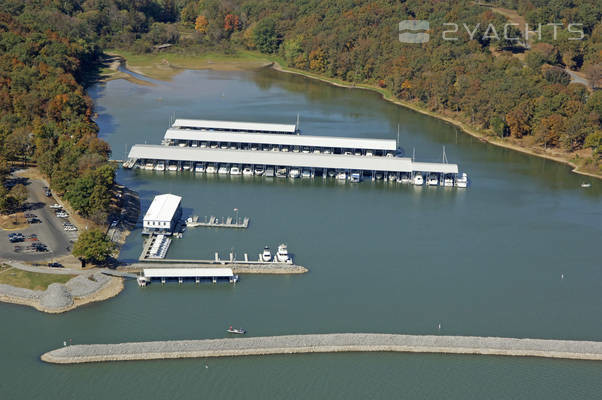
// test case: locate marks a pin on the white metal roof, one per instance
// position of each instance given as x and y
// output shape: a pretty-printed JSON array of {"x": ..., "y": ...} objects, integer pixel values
[
  {"x": 282, "y": 139},
  {"x": 163, "y": 207},
  {"x": 188, "y": 272},
  {"x": 235, "y": 126},
  {"x": 289, "y": 159}
]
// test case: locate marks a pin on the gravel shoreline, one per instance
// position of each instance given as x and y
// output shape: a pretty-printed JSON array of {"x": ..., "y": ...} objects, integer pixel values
[{"x": 325, "y": 343}]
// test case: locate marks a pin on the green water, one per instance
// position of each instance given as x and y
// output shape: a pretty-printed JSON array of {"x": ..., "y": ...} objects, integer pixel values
[{"x": 382, "y": 258}]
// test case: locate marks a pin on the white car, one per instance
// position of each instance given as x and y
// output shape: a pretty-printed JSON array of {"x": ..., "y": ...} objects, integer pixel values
[
  {"x": 55, "y": 205},
  {"x": 62, "y": 214}
]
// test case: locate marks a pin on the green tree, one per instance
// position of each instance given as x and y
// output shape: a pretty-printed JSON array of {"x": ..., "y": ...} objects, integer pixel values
[
  {"x": 19, "y": 194},
  {"x": 93, "y": 246},
  {"x": 265, "y": 36}
]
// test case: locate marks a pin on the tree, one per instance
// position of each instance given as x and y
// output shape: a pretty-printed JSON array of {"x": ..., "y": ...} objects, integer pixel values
[
  {"x": 231, "y": 23},
  {"x": 201, "y": 24},
  {"x": 265, "y": 36},
  {"x": 19, "y": 194},
  {"x": 93, "y": 246}
]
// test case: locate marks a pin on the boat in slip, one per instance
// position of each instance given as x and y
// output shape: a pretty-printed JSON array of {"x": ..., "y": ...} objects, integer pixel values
[
  {"x": 149, "y": 166},
  {"x": 199, "y": 167},
  {"x": 266, "y": 256},
  {"x": 247, "y": 170},
  {"x": 160, "y": 166},
  {"x": 269, "y": 172},
  {"x": 341, "y": 176},
  {"x": 187, "y": 166},
  {"x": 462, "y": 180},
  {"x": 433, "y": 180},
  {"x": 392, "y": 177},
  {"x": 418, "y": 180},
  {"x": 448, "y": 181},
  {"x": 211, "y": 169},
  {"x": 281, "y": 173},
  {"x": 223, "y": 169},
  {"x": 305, "y": 173},
  {"x": 236, "y": 331},
  {"x": 260, "y": 171},
  {"x": 294, "y": 173},
  {"x": 355, "y": 177},
  {"x": 235, "y": 170},
  {"x": 282, "y": 255},
  {"x": 173, "y": 166}
]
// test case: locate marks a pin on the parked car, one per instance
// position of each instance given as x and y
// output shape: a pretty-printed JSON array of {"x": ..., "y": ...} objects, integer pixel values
[
  {"x": 55, "y": 265},
  {"x": 56, "y": 206},
  {"x": 62, "y": 214}
]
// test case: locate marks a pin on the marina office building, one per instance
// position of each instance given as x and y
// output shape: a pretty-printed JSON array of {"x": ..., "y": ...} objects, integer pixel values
[
  {"x": 162, "y": 215},
  {"x": 275, "y": 150}
]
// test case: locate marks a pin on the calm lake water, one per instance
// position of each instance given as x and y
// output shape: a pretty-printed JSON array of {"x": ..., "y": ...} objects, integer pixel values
[{"x": 382, "y": 257}]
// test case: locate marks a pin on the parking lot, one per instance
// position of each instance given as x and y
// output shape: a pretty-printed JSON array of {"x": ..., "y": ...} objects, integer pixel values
[{"x": 45, "y": 236}]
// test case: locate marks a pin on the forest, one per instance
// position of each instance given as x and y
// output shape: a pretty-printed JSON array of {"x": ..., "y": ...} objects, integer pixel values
[{"x": 49, "y": 49}]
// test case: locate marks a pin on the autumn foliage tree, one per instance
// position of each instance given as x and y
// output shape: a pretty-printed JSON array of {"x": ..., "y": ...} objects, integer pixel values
[
  {"x": 231, "y": 23},
  {"x": 201, "y": 24}
]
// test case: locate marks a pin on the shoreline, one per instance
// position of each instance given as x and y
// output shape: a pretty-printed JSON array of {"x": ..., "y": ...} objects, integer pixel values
[
  {"x": 385, "y": 96},
  {"x": 326, "y": 343}
]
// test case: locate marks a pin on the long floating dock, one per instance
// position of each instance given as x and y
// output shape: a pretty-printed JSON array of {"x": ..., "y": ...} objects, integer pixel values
[
  {"x": 326, "y": 343},
  {"x": 214, "y": 222}
]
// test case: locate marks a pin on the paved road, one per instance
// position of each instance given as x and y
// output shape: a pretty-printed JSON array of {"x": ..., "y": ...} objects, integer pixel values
[
  {"x": 50, "y": 231},
  {"x": 576, "y": 78}
]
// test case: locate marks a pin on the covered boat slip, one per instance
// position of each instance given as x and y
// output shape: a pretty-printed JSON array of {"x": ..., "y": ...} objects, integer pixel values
[
  {"x": 181, "y": 274},
  {"x": 334, "y": 144},
  {"x": 339, "y": 162},
  {"x": 235, "y": 126}
]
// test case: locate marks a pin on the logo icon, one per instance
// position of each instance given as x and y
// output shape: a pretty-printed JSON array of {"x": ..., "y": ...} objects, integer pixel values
[{"x": 414, "y": 25}]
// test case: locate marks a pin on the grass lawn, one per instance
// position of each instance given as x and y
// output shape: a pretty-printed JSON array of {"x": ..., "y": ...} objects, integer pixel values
[{"x": 29, "y": 280}]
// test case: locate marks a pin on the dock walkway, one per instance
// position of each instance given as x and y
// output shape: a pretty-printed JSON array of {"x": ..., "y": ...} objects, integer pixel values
[
  {"x": 214, "y": 222},
  {"x": 326, "y": 343}
]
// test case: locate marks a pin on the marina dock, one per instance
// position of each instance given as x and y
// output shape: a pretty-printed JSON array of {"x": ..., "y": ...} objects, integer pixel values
[
  {"x": 214, "y": 222},
  {"x": 326, "y": 343}
]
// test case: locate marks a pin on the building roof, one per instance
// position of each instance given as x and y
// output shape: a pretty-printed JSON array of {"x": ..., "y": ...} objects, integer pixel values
[
  {"x": 288, "y": 159},
  {"x": 234, "y": 126},
  {"x": 163, "y": 207},
  {"x": 282, "y": 139},
  {"x": 188, "y": 272}
]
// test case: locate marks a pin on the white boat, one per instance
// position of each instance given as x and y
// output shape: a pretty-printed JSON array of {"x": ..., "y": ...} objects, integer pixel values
[
  {"x": 392, "y": 177},
  {"x": 266, "y": 256},
  {"x": 269, "y": 172},
  {"x": 235, "y": 170},
  {"x": 433, "y": 180},
  {"x": 294, "y": 173},
  {"x": 378, "y": 176},
  {"x": 211, "y": 169},
  {"x": 369, "y": 153},
  {"x": 462, "y": 180},
  {"x": 355, "y": 177},
  {"x": 187, "y": 166},
  {"x": 332, "y": 173},
  {"x": 404, "y": 178},
  {"x": 586, "y": 185},
  {"x": 236, "y": 331},
  {"x": 341, "y": 176},
  {"x": 418, "y": 180},
  {"x": 448, "y": 181},
  {"x": 160, "y": 166},
  {"x": 282, "y": 255},
  {"x": 224, "y": 169},
  {"x": 173, "y": 166},
  {"x": 199, "y": 167},
  {"x": 281, "y": 172},
  {"x": 149, "y": 166},
  {"x": 260, "y": 171},
  {"x": 247, "y": 171},
  {"x": 306, "y": 173}
]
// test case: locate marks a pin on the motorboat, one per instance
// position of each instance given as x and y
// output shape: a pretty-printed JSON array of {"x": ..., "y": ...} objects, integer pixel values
[
  {"x": 199, "y": 167},
  {"x": 462, "y": 180},
  {"x": 203, "y": 145},
  {"x": 418, "y": 180},
  {"x": 378, "y": 176},
  {"x": 224, "y": 169},
  {"x": 247, "y": 171},
  {"x": 211, "y": 169},
  {"x": 187, "y": 166},
  {"x": 269, "y": 172},
  {"x": 392, "y": 177},
  {"x": 448, "y": 181},
  {"x": 236, "y": 331},
  {"x": 432, "y": 180},
  {"x": 355, "y": 177},
  {"x": 235, "y": 170},
  {"x": 266, "y": 256},
  {"x": 341, "y": 176},
  {"x": 173, "y": 166},
  {"x": 160, "y": 166},
  {"x": 281, "y": 173},
  {"x": 405, "y": 178},
  {"x": 586, "y": 185},
  {"x": 284, "y": 149},
  {"x": 260, "y": 171},
  {"x": 305, "y": 173},
  {"x": 149, "y": 166},
  {"x": 294, "y": 173},
  {"x": 331, "y": 173},
  {"x": 282, "y": 255},
  {"x": 369, "y": 153}
]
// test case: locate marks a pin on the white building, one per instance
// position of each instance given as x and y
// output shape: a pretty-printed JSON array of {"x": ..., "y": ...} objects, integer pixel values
[{"x": 163, "y": 214}]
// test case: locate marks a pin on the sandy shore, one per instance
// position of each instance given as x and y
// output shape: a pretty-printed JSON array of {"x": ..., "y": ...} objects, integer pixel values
[{"x": 326, "y": 343}]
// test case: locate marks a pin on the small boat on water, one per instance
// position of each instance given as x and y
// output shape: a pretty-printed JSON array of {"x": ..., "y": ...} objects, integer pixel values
[
  {"x": 418, "y": 180},
  {"x": 282, "y": 255},
  {"x": 224, "y": 169},
  {"x": 247, "y": 171},
  {"x": 211, "y": 169},
  {"x": 355, "y": 177},
  {"x": 266, "y": 256},
  {"x": 433, "y": 180},
  {"x": 462, "y": 180},
  {"x": 269, "y": 172},
  {"x": 199, "y": 167},
  {"x": 306, "y": 173},
  {"x": 341, "y": 176},
  {"x": 281, "y": 173},
  {"x": 448, "y": 181},
  {"x": 586, "y": 185},
  {"x": 235, "y": 170},
  {"x": 160, "y": 166},
  {"x": 260, "y": 171},
  {"x": 294, "y": 173},
  {"x": 236, "y": 331}
]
